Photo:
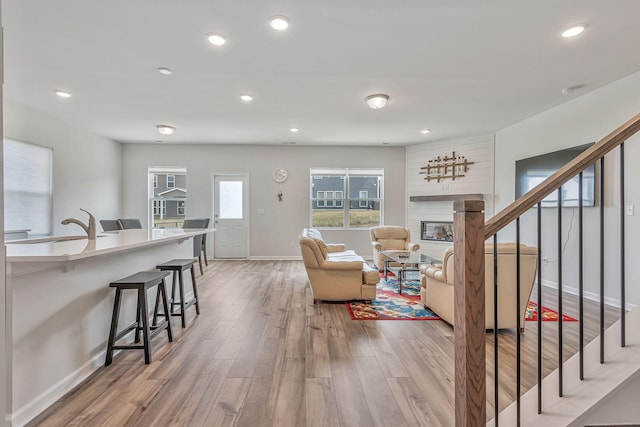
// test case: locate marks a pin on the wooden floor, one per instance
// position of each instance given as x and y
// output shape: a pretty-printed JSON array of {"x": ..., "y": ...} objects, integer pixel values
[{"x": 261, "y": 354}]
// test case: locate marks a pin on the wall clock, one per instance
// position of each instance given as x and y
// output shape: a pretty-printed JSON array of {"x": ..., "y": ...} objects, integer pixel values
[{"x": 280, "y": 175}]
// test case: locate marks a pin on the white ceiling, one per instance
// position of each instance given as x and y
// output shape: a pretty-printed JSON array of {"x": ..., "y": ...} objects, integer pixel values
[{"x": 458, "y": 67}]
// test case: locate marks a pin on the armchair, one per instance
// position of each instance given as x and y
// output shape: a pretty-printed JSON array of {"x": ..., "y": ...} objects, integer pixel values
[
  {"x": 437, "y": 285},
  {"x": 387, "y": 238}
]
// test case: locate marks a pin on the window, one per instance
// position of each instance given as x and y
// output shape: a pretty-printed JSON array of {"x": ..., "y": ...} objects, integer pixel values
[
  {"x": 27, "y": 187},
  {"x": 363, "y": 195},
  {"x": 159, "y": 208},
  {"x": 346, "y": 198},
  {"x": 167, "y": 204}
]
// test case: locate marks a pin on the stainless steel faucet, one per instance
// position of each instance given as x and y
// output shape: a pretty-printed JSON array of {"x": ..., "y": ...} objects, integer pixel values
[{"x": 89, "y": 229}]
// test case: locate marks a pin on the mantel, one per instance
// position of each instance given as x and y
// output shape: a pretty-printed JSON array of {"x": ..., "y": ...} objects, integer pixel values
[{"x": 446, "y": 197}]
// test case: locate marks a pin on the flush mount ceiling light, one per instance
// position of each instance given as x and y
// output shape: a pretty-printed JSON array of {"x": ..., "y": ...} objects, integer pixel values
[
  {"x": 425, "y": 131},
  {"x": 279, "y": 23},
  {"x": 246, "y": 97},
  {"x": 573, "y": 31},
  {"x": 62, "y": 93},
  {"x": 216, "y": 39},
  {"x": 166, "y": 129},
  {"x": 294, "y": 130},
  {"x": 164, "y": 70},
  {"x": 377, "y": 101}
]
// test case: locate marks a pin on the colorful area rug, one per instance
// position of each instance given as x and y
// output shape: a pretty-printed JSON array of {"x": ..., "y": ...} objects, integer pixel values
[
  {"x": 389, "y": 305},
  {"x": 548, "y": 315}
]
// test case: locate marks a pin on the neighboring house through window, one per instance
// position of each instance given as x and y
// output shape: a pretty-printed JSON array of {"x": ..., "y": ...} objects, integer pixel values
[
  {"x": 168, "y": 196},
  {"x": 362, "y": 206}
]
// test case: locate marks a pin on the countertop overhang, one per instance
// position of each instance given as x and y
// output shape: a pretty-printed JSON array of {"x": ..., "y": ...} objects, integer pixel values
[{"x": 107, "y": 243}]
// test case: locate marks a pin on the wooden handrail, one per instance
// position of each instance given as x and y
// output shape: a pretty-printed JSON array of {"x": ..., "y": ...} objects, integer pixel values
[{"x": 571, "y": 169}]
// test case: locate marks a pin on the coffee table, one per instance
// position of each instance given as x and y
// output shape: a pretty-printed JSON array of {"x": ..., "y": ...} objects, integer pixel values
[{"x": 406, "y": 261}]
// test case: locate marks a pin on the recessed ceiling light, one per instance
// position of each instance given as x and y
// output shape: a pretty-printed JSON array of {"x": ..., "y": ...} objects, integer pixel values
[
  {"x": 246, "y": 97},
  {"x": 573, "y": 31},
  {"x": 294, "y": 130},
  {"x": 166, "y": 129},
  {"x": 377, "y": 101},
  {"x": 62, "y": 93},
  {"x": 279, "y": 23},
  {"x": 216, "y": 39},
  {"x": 425, "y": 131},
  {"x": 164, "y": 70}
]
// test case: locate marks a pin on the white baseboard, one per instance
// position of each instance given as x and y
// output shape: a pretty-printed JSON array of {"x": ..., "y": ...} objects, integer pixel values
[
  {"x": 613, "y": 302},
  {"x": 38, "y": 405},
  {"x": 276, "y": 258}
]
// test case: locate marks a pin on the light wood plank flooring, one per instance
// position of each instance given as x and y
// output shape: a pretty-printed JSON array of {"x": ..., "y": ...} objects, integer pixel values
[{"x": 261, "y": 354}]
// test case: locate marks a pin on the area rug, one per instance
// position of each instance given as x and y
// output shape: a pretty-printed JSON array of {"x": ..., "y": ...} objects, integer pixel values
[
  {"x": 548, "y": 315},
  {"x": 389, "y": 305},
  {"x": 410, "y": 288}
]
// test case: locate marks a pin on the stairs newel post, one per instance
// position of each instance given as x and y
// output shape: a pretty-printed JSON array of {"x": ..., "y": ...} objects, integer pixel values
[{"x": 469, "y": 331}]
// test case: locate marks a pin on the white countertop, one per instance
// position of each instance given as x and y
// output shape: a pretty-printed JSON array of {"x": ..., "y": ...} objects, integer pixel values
[{"x": 107, "y": 243}]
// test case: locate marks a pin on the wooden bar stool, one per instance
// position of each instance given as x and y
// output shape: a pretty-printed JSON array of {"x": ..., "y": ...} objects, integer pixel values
[
  {"x": 141, "y": 282},
  {"x": 177, "y": 266}
]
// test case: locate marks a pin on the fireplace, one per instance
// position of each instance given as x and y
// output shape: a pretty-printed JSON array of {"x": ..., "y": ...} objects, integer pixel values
[{"x": 436, "y": 231}]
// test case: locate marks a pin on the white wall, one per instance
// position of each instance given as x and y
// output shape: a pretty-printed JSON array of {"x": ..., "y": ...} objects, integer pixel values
[
  {"x": 273, "y": 234},
  {"x": 479, "y": 179},
  {"x": 87, "y": 171},
  {"x": 585, "y": 119}
]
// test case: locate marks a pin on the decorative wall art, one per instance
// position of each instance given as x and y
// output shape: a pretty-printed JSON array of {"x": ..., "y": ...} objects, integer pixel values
[{"x": 446, "y": 167}]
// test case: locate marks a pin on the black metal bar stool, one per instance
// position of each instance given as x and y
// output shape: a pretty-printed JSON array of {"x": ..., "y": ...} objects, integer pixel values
[
  {"x": 177, "y": 266},
  {"x": 141, "y": 282}
]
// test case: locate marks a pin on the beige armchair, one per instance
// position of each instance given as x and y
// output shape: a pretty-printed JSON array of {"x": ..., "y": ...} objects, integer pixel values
[
  {"x": 342, "y": 278},
  {"x": 390, "y": 238},
  {"x": 437, "y": 284}
]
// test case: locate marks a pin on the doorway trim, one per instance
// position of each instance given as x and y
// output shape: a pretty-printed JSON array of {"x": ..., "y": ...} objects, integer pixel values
[{"x": 247, "y": 198}]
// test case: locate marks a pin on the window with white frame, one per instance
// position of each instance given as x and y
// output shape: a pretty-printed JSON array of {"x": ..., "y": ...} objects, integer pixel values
[
  {"x": 28, "y": 188},
  {"x": 346, "y": 198},
  {"x": 363, "y": 195},
  {"x": 167, "y": 203},
  {"x": 159, "y": 208}
]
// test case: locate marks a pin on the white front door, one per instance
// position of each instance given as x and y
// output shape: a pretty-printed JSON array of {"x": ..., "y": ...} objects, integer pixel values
[{"x": 230, "y": 216}]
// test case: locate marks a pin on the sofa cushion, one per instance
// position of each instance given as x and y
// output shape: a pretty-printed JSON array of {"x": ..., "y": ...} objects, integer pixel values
[
  {"x": 321, "y": 246},
  {"x": 345, "y": 255}
]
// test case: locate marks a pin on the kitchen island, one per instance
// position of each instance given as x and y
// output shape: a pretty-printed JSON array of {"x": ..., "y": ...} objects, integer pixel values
[{"x": 59, "y": 307}]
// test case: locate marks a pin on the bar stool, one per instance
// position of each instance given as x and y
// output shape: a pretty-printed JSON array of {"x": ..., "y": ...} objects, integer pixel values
[
  {"x": 141, "y": 282},
  {"x": 177, "y": 266}
]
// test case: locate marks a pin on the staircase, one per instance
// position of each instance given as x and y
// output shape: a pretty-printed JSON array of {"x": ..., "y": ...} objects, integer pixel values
[
  {"x": 576, "y": 391},
  {"x": 582, "y": 398}
]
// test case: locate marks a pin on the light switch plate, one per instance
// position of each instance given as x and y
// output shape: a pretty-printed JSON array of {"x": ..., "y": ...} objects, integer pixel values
[{"x": 628, "y": 210}]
